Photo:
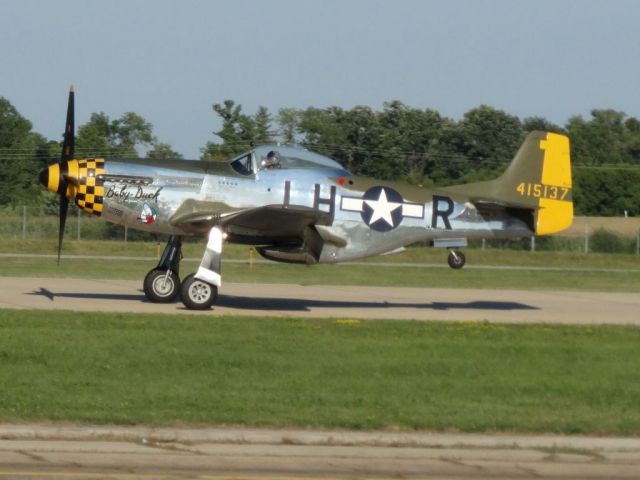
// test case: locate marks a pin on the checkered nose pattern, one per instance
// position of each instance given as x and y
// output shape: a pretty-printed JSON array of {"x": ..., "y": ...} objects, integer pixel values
[{"x": 83, "y": 179}]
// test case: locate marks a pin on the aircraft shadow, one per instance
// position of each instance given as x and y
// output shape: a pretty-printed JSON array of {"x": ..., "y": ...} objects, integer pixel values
[
  {"x": 300, "y": 304},
  {"x": 304, "y": 304},
  {"x": 89, "y": 296}
]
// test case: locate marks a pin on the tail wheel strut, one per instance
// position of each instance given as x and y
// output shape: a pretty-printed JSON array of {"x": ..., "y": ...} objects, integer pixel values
[{"x": 456, "y": 259}]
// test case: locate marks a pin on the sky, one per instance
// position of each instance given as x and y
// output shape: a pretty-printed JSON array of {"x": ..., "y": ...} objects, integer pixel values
[{"x": 170, "y": 61}]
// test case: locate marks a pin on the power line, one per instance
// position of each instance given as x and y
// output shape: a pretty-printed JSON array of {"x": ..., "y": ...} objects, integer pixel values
[{"x": 450, "y": 158}]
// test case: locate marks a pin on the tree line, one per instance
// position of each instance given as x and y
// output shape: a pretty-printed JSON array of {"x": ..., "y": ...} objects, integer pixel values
[{"x": 398, "y": 142}]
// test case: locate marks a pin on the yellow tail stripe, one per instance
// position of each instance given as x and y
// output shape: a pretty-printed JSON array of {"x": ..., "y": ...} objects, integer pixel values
[
  {"x": 556, "y": 166},
  {"x": 555, "y": 215}
]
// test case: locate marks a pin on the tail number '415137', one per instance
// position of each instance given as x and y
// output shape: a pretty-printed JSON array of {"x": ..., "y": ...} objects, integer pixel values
[{"x": 539, "y": 190}]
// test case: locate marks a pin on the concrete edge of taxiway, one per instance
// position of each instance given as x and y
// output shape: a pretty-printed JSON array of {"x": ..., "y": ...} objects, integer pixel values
[{"x": 224, "y": 435}]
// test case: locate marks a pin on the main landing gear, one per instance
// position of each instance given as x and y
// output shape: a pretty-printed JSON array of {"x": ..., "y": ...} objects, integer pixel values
[
  {"x": 456, "y": 259},
  {"x": 199, "y": 290},
  {"x": 162, "y": 284},
  {"x": 198, "y": 294}
]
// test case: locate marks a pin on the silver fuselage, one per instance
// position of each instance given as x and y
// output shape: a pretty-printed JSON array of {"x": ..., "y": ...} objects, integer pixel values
[{"x": 145, "y": 194}]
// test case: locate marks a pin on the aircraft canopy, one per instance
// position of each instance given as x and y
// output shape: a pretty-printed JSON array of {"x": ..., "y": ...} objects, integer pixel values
[{"x": 274, "y": 156}]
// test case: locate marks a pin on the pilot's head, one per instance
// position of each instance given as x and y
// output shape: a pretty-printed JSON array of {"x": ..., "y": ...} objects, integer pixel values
[{"x": 272, "y": 159}]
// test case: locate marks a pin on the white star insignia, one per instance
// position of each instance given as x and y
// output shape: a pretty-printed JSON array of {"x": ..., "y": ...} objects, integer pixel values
[{"x": 382, "y": 208}]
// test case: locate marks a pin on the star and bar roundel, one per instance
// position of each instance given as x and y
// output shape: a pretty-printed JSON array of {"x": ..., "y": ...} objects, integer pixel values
[{"x": 382, "y": 208}]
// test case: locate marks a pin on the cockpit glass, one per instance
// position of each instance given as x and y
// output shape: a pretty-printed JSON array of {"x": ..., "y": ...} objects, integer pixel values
[
  {"x": 242, "y": 164},
  {"x": 271, "y": 156},
  {"x": 274, "y": 157}
]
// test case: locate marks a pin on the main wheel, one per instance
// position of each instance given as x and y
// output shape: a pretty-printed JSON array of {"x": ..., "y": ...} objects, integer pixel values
[
  {"x": 456, "y": 259},
  {"x": 161, "y": 286},
  {"x": 197, "y": 294}
]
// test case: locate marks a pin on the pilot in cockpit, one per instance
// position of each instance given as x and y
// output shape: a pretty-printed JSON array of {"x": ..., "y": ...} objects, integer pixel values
[{"x": 272, "y": 160}]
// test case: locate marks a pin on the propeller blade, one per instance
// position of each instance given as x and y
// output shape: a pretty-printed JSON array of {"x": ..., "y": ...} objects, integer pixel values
[
  {"x": 64, "y": 208},
  {"x": 69, "y": 129},
  {"x": 68, "y": 145}
]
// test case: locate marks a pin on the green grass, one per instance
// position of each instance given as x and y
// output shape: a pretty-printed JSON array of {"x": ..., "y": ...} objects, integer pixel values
[
  {"x": 194, "y": 249},
  {"x": 162, "y": 369},
  {"x": 368, "y": 273}
]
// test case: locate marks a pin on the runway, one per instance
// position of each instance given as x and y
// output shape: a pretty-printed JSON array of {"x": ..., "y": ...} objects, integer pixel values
[
  {"x": 86, "y": 452},
  {"x": 334, "y": 301}
]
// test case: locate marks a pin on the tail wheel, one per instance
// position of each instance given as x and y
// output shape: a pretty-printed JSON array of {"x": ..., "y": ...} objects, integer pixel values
[
  {"x": 197, "y": 294},
  {"x": 161, "y": 286},
  {"x": 456, "y": 259}
]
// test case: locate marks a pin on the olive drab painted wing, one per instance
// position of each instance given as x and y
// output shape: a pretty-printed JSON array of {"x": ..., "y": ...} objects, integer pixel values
[{"x": 273, "y": 221}]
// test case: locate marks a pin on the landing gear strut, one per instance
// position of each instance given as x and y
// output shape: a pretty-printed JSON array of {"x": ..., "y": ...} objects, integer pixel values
[
  {"x": 456, "y": 259},
  {"x": 200, "y": 290},
  {"x": 162, "y": 284}
]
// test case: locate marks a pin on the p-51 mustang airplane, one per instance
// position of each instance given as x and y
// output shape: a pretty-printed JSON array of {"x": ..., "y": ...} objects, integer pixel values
[{"x": 301, "y": 207}]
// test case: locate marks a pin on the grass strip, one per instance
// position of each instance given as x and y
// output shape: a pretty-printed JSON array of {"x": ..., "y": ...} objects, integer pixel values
[
  {"x": 194, "y": 249},
  {"x": 165, "y": 369},
  {"x": 342, "y": 274}
]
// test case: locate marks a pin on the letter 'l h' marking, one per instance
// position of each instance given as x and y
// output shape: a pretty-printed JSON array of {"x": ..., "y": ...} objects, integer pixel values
[{"x": 317, "y": 201}]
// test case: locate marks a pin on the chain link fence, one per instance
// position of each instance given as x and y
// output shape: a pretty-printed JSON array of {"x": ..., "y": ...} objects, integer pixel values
[
  {"x": 38, "y": 223},
  {"x": 599, "y": 241}
]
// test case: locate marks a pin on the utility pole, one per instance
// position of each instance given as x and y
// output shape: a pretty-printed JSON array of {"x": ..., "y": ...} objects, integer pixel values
[
  {"x": 586, "y": 238},
  {"x": 24, "y": 222}
]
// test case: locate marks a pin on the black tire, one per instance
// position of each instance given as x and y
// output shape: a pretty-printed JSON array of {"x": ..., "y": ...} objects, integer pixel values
[
  {"x": 197, "y": 294},
  {"x": 456, "y": 260},
  {"x": 161, "y": 288}
]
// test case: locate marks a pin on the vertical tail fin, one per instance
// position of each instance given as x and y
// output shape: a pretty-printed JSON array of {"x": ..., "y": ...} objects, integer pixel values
[{"x": 538, "y": 178}]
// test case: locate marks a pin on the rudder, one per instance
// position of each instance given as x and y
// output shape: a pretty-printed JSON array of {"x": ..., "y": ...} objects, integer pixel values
[{"x": 556, "y": 211}]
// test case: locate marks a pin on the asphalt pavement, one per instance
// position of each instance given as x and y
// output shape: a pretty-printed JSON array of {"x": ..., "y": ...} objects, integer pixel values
[
  {"x": 47, "y": 451},
  {"x": 334, "y": 301}
]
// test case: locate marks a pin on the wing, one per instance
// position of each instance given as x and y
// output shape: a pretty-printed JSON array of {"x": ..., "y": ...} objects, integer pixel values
[{"x": 267, "y": 224}]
